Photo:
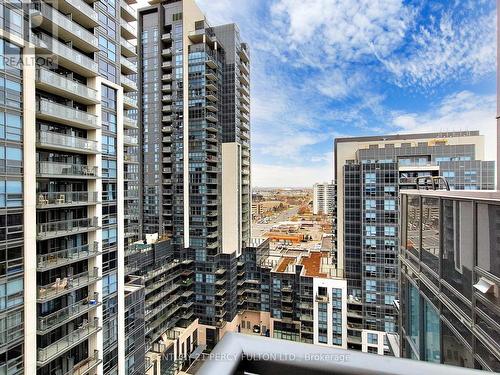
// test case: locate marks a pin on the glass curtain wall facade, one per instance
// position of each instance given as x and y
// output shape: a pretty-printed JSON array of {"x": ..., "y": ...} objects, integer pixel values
[
  {"x": 371, "y": 178},
  {"x": 450, "y": 272}
]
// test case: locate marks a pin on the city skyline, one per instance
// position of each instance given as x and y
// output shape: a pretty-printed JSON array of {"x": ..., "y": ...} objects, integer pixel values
[{"x": 394, "y": 82}]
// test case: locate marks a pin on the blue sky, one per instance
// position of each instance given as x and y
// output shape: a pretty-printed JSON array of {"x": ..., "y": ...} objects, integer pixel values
[{"x": 328, "y": 68}]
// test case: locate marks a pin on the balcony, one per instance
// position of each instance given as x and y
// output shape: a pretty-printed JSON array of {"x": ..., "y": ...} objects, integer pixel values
[
  {"x": 128, "y": 84},
  {"x": 129, "y": 122},
  {"x": 244, "y": 55},
  {"x": 127, "y": 12},
  {"x": 86, "y": 366},
  {"x": 65, "y": 87},
  {"x": 166, "y": 119},
  {"x": 65, "y": 170},
  {"x": 244, "y": 90},
  {"x": 131, "y": 158},
  {"x": 127, "y": 30},
  {"x": 210, "y": 61},
  {"x": 56, "y": 349},
  {"x": 167, "y": 37},
  {"x": 49, "y": 18},
  {"x": 54, "y": 320},
  {"x": 130, "y": 140},
  {"x": 65, "y": 115},
  {"x": 167, "y": 52},
  {"x": 128, "y": 67},
  {"x": 80, "y": 11},
  {"x": 244, "y": 68},
  {"x": 166, "y": 98},
  {"x": 68, "y": 227},
  {"x": 66, "y": 256},
  {"x": 127, "y": 48},
  {"x": 244, "y": 117},
  {"x": 244, "y": 99},
  {"x": 66, "y": 56},
  {"x": 211, "y": 96},
  {"x": 65, "y": 198},
  {"x": 57, "y": 141},
  {"x": 166, "y": 88},
  {"x": 211, "y": 85},
  {"x": 129, "y": 103},
  {"x": 245, "y": 108},
  {"x": 66, "y": 285},
  {"x": 166, "y": 77}
]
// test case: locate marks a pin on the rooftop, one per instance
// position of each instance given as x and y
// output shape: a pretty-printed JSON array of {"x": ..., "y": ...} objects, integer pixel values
[{"x": 402, "y": 137}]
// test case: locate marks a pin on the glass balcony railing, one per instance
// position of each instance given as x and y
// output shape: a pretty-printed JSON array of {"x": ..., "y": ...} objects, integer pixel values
[
  {"x": 80, "y": 11},
  {"x": 130, "y": 140},
  {"x": 66, "y": 115},
  {"x": 129, "y": 102},
  {"x": 67, "y": 56},
  {"x": 60, "y": 83},
  {"x": 62, "y": 257},
  {"x": 128, "y": 31},
  {"x": 127, "y": 11},
  {"x": 56, "y": 318},
  {"x": 66, "y": 27},
  {"x": 66, "y": 285},
  {"x": 67, "y": 342},
  {"x": 128, "y": 83},
  {"x": 84, "y": 367},
  {"x": 60, "y": 198},
  {"x": 129, "y": 122},
  {"x": 58, "y": 140},
  {"x": 53, "y": 169},
  {"x": 130, "y": 67},
  {"x": 65, "y": 227},
  {"x": 127, "y": 48}
]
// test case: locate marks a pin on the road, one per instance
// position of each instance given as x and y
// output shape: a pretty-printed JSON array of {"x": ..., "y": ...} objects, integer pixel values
[{"x": 259, "y": 229}]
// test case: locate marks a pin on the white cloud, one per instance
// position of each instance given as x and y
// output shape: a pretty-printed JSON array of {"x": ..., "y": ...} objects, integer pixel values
[
  {"x": 268, "y": 175},
  {"x": 461, "y": 111},
  {"x": 447, "y": 48},
  {"x": 324, "y": 31}
]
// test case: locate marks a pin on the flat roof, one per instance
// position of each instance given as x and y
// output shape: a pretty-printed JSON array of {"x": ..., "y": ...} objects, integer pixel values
[
  {"x": 488, "y": 195},
  {"x": 402, "y": 137},
  {"x": 312, "y": 264}
]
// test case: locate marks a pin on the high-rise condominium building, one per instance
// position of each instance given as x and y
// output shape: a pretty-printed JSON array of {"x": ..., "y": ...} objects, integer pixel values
[
  {"x": 370, "y": 172},
  {"x": 69, "y": 137},
  {"x": 323, "y": 198},
  {"x": 450, "y": 278},
  {"x": 292, "y": 295},
  {"x": 195, "y": 146}
]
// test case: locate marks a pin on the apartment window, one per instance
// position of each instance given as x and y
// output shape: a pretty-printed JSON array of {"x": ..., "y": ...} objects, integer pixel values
[
  {"x": 108, "y": 97},
  {"x": 389, "y": 205},
  {"x": 109, "y": 168},
  {"x": 370, "y": 215},
  {"x": 108, "y": 145},
  {"x": 177, "y": 16},
  {"x": 371, "y": 230},
  {"x": 11, "y": 194},
  {"x": 370, "y": 297},
  {"x": 432, "y": 339},
  {"x": 371, "y": 242},
  {"x": 371, "y": 285},
  {"x": 372, "y": 338},
  {"x": 389, "y": 231},
  {"x": 449, "y": 174},
  {"x": 413, "y": 314},
  {"x": 388, "y": 299},
  {"x": 108, "y": 48},
  {"x": 109, "y": 121},
  {"x": 370, "y": 178},
  {"x": 10, "y": 93},
  {"x": 109, "y": 284},
  {"x": 370, "y": 204},
  {"x": 11, "y": 19}
]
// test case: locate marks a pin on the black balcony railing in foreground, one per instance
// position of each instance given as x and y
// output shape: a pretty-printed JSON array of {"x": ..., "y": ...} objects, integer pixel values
[{"x": 241, "y": 354}]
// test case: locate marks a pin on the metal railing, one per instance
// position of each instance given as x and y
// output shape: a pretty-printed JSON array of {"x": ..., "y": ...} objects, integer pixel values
[
  {"x": 60, "y": 346},
  {"x": 61, "y": 82},
  {"x": 84, "y": 366},
  {"x": 65, "y": 227},
  {"x": 63, "y": 140},
  {"x": 64, "y": 112},
  {"x": 66, "y": 23},
  {"x": 65, "y": 169},
  {"x": 66, "y": 284},
  {"x": 57, "y": 258},
  {"x": 77, "y": 308},
  {"x": 47, "y": 42}
]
